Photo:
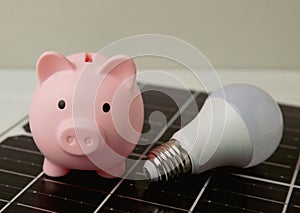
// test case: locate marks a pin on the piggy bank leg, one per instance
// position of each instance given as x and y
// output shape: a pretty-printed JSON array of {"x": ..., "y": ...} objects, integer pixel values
[
  {"x": 116, "y": 171},
  {"x": 54, "y": 170}
]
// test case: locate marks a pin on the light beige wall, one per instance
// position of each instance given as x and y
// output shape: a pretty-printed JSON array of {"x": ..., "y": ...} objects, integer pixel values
[{"x": 231, "y": 33}]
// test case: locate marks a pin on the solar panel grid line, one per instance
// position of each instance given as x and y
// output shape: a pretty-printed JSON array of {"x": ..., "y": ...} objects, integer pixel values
[
  {"x": 257, "y": 197},
  {"x": 35, "y": 208},
  {"x": 297, "y": 206},
  {"x": 234, "y": 207},
  {"x": 291, "y": 187},
  {"x": 12, "y": 187},
  {"x": 261, "y": 179},
  {"x": 154, "y": 203},
  {"x": 276, "y": 164},
  {"x": 21, "y": 149},
  {"x": 22, "y": 191},
  {"x": 20, "y": 161},
  {"x": 288, "y": 146},
  {"x": 21, "y": 142},
  {"x": 292, "y": 129},
  {"x": 16, "y": 173},
  {"x": 3, "y": 200},
  {"x": 175, "y": 116},
  {"x": 60, "y": 197},
  {"x": 200, "y": 193}
]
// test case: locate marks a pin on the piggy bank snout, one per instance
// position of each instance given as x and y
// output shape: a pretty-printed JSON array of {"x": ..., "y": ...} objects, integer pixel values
[{"x": 79, "y": 140}]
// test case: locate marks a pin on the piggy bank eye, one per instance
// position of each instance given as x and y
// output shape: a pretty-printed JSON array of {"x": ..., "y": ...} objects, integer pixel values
[
  {"x": 61, "y": 104},
  {"x": 106, "y": 107}
]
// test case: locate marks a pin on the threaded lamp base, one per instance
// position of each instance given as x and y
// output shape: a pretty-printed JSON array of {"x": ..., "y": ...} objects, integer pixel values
[{"x": 167, "y": 161}]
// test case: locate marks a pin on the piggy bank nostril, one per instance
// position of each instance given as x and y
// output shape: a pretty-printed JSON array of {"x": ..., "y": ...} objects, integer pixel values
[
  {"x": 70, "y": 140},
  {"x": 88, "y": 141}
]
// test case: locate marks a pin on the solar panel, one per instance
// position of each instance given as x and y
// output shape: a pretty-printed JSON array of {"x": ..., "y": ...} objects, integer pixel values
[{"x": 273, "y": 186}]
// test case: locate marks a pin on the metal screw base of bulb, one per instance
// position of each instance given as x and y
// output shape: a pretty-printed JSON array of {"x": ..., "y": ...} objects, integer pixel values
[{"x": 169, "y": 160}]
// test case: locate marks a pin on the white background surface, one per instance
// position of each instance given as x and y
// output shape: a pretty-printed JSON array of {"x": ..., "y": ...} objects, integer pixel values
[{"x": 231, "y": 33}]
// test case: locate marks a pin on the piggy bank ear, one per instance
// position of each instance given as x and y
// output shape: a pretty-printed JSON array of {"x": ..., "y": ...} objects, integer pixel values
[
  {"x": 121, "y": 67},
  {"x": 50, "y": 63}
]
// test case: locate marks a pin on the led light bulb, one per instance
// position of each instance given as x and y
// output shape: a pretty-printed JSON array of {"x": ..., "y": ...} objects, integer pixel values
[{"x": 238, "y": 125}]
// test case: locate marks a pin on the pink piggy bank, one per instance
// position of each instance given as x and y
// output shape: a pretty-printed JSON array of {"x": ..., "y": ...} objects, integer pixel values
[{"x": 86, "y": 113}]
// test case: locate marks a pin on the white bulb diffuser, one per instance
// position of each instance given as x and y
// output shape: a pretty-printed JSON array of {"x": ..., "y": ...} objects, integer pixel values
[{"x": 238, "y": 125}]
